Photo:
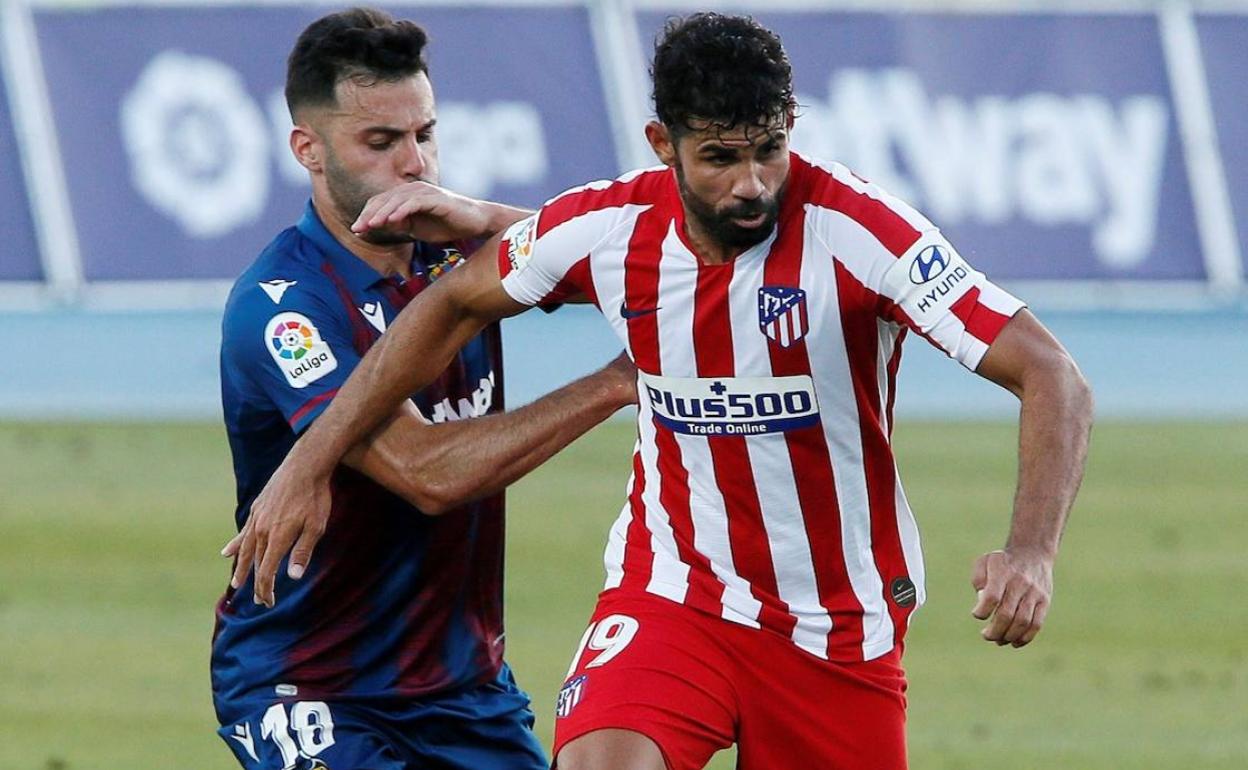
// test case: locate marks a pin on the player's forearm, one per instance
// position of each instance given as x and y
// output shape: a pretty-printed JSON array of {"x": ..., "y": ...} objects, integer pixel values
[
  {"x": 461, "y": 461},
  {"x": 1054, "y": 425},
  {"x": 410, "y": 355}
]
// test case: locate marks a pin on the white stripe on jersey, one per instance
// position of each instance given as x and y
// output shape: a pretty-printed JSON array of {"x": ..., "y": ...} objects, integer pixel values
[
  {"x": 669, "y": 576},
  {"x": 707, "y": 511},
  {"x": 830, "y": 366},
  {"x": 911, "y": 548},
  {"x": 773, "y": 475},
  {"x": 907, "y": 527}
]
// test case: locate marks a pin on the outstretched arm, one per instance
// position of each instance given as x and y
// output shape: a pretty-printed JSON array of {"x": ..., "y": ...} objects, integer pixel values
[
  {"x": 440, "y": 467},
  {"x": 295, "y": 504},
  {"x": 1015, "y": 585}
]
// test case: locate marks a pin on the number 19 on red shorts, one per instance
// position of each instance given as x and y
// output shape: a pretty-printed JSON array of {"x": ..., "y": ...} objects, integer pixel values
[{"x": 695, "y": 684}]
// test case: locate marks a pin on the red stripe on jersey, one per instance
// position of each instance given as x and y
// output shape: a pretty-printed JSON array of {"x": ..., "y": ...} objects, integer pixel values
[
  {"x": 812, "y": 463},
  {"x": 638, "y": 562},
  {"x": 641, "y": 188},
  {"x": 980, "y": 320},
  {"x": 339, "y": 591},
  {"x": 641, "y": 290},
  {"x": 894, "y": 364},
  {"x": 578, "y": 280},
  {"x": 747, "y": 534},
  {"x": 862, "y": 344},
  {"x": 309, "y": 405},
  {"x": 889, "y": 228}
]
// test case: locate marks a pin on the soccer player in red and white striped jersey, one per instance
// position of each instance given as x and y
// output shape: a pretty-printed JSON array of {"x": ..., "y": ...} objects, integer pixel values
[{"x": 762, "y": 573}]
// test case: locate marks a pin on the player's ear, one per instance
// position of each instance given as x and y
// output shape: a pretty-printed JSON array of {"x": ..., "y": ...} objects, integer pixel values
[
  {"x": 660, "y": 139},
  {"x": 306, "y": 146}
]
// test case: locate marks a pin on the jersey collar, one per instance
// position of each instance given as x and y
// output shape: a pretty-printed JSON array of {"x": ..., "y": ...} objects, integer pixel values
[{"x": 358, "y": 274}]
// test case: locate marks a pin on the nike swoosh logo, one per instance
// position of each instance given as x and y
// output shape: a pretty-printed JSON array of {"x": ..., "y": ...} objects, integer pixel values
[{"x": 627, "y": 313}]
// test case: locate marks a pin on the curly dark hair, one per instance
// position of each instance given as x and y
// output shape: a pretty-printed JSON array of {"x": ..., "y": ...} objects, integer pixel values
[
  {"x": 362, "y": 43},
  {"x": 726, "y": 70}
]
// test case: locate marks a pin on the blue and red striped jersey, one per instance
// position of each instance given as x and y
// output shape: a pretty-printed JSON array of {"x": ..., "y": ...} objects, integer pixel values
[{"x": 395, "y": 604}]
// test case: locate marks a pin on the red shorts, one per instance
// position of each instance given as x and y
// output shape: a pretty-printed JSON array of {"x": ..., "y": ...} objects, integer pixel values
[{"x": 695, "y": 684}]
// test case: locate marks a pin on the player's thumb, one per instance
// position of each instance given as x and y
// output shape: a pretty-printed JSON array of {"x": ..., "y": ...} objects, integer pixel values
[{"x": 988, "y": 593}]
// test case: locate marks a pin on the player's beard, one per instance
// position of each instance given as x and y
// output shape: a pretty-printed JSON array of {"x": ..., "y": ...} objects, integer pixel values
[
  {"x": 718, "y": 223},
  {"x": 350, "y": 195}
]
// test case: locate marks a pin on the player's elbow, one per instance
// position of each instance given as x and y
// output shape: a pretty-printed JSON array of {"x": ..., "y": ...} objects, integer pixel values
[
  {"x": 1058, "y": 375},
  {"x": 435, "y": 492}
]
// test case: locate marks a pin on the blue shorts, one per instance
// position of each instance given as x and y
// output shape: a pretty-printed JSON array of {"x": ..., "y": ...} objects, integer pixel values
[{"x": 489, "y": 727}]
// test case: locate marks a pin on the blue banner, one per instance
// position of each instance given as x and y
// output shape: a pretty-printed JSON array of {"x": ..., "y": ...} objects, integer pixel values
[
  {"x": 176, "y": 139},
  {"x": 1039, "y": 154},
  {"x": 1224, "y": 41},
  {"x": 19, "y": 254}
]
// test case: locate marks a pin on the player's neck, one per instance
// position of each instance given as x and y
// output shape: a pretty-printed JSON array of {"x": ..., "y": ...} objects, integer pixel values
[
  {"x": 388, "y": 259},
  {"x": 707, "y": 248}
]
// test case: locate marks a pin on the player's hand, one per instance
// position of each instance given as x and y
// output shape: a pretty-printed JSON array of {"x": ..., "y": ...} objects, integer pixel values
[
  {"x": 425, "y": 212},
  {"x": 1014, "y": 589},
  {"x": 292, "y": 509}
]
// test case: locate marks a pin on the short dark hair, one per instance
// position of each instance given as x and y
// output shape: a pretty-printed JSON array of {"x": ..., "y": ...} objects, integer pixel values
[
  {"x": 728, "y": 70},
  {"x": 356, "y": 43}
]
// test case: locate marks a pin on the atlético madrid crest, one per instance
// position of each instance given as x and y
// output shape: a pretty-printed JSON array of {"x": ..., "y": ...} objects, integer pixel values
[{"x": 782, "y": 314}]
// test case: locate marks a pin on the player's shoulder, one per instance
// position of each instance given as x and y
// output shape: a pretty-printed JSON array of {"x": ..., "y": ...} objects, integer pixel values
[
  {"x": 640, "y": 187},
  {"x": 284, "y": 278},
  {"x": 836, "y": 197},
  {"x": 832, "y": 184}
]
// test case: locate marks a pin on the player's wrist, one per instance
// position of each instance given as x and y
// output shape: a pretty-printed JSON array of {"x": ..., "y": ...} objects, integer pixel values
[
  {"x": 1033, "y": 551},
  {"x": 498, "y": 216}
]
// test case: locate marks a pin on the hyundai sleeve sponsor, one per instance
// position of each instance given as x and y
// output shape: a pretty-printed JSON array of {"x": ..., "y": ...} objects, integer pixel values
[
  {"x": 176, "y": 141},
  {"x": 19, "y": 255},
  {"x": 929, "y": 279}
]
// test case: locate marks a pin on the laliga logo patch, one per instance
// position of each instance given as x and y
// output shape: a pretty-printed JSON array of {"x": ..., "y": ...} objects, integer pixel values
[
  {"x": 298, "y": 350},
  {"x": 928, "y": 264},
  {"x": 782, "y": 314},
  {"x": 570, "y": 695},
  {"x": 520, "y": 237}
]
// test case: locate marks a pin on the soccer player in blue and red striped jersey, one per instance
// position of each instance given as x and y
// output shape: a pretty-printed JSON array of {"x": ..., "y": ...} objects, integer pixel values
[{"x": 389, "y": 656}]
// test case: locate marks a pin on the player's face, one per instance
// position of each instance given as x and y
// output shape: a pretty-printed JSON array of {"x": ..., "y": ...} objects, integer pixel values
[
  {"x": 732, "y": 180},
  {"x": 378, "y": 136}
]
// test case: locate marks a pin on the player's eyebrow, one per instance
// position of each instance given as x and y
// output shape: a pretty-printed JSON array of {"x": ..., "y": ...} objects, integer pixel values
[{"x": 395, "y": 131}]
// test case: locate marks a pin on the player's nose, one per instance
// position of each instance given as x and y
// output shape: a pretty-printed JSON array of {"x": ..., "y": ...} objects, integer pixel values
[
  {"x": 748, "y": 184},
  {"x": 412, "y": 161}
]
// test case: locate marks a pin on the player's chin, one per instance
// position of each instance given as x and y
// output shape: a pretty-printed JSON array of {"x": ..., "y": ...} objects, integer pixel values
[{"x": 745, "y": 237}]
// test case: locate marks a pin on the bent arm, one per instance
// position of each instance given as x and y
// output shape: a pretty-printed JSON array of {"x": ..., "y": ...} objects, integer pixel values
[
  {"x": 1055, "y": 420},
  {"x": 409, "y": 356},
  {"x": 1015, "y": 585},
  {"x": 439, "y": 467}
]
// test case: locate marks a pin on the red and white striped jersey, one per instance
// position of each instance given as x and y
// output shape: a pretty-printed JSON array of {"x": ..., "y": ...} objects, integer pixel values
[{"x": 764, "y": 489}]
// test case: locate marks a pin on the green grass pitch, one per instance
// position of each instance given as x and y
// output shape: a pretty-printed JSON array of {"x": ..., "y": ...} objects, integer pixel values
[{"x": 108, "y": 575}]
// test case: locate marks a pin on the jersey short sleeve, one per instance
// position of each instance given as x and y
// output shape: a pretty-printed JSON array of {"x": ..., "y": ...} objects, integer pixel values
[
  {"x": 295, "y": 354},
  {"x": 544, "y": 259},
  {"x": 919, "y": 278},
  {"x": 936, "y": 292}
]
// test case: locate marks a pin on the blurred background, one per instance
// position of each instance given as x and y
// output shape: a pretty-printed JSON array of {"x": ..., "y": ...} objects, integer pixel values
[{"x": 1090, "y": 157}]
